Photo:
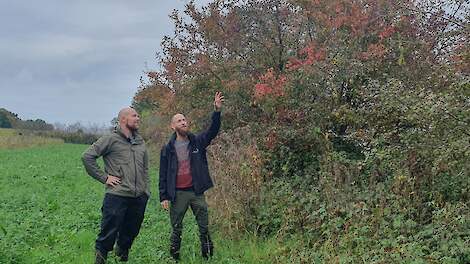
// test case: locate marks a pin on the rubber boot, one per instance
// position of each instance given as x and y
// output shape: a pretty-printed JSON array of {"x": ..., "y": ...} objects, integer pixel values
[
  {"x": 175, "y": 248},
  {"x": 207, "y": 247}
]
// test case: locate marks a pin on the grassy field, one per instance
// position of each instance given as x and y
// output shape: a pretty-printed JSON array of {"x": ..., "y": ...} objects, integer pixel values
[
  {"x": 50, "y": 213},
  {"x": 11, "y": 139}
]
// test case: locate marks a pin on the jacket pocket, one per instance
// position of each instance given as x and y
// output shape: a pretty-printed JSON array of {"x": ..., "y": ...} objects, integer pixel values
[{"x": 124, "y": 175}]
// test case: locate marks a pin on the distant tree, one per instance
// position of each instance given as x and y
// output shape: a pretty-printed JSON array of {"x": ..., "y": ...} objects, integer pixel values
[
  {"x": 75, "y": 127},
  {"x": 37, "y": 124},
  {"x": 4, "y": 121},
  {"x": 12, "y": 118},
  {"x": 60, "y": 126},
  {"x": 114, "y": 122}
]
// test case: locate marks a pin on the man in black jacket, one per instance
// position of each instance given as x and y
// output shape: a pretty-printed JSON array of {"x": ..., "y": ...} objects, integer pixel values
[{"x": 184, "y": 177}]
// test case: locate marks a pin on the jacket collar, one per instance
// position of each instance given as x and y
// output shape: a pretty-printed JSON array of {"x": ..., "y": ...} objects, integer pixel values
[
  {"x": 135, "y": 138},
  {"x": 191, "y": 138}
]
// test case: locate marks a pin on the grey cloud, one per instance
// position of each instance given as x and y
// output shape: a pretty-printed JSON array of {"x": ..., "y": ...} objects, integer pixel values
[{"x": 68, "y": 61}]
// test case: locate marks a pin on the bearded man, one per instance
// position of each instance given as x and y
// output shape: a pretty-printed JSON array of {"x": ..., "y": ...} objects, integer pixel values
[{"x": 184, "y": 177}]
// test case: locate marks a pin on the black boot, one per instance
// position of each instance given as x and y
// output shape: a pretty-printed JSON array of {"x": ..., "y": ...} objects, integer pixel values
[
  {"x": 175, "y": 248},
  {"x": 175, "y": 252},
  {"x": 207, "y": 248},
  {"x": 100, "y": 257},
  {"x": 122, "y": 254}
]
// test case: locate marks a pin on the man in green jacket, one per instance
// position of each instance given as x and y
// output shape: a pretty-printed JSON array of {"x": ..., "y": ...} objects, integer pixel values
[{"x": 127, "y": 184}]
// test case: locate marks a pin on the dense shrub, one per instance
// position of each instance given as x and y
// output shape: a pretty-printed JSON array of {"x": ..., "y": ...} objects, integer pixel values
[{"x": 360, "y": 110}]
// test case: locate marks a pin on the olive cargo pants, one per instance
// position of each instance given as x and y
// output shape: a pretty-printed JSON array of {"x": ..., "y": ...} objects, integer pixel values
[{"x": 178, "y": 208}]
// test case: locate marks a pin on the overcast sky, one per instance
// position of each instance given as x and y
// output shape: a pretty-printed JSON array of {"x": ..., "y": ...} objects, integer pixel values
[{"x": 78, "y": 61}]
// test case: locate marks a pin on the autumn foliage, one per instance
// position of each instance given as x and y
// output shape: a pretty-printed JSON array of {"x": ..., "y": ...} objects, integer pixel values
[{"x": 359, "y": 109}]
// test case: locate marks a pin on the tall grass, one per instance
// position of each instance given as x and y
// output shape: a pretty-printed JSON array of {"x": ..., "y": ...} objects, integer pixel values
[
  {"x": 234, "y": 162},
  {"x": 10, "y": 139}
]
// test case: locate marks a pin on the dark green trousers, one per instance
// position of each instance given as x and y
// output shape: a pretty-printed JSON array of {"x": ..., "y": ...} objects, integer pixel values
[{"x": 178, "y": 208}]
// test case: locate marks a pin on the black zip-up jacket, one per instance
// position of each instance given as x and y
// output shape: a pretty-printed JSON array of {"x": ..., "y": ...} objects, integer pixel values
[{"x": 198, "y": 162}]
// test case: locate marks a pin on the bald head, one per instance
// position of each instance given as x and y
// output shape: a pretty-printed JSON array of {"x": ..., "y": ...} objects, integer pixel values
[
  {"x": 125, "y": 112},
  {"x": 128, "y": 118},
  {"x": 179, "y": 124},
  {"x": 176, "y": 117}
]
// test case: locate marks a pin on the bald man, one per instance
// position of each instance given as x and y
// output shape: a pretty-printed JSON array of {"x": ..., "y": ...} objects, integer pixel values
[
  {"x": 126, "y": 181},
  {"x": 184, "y": 177}
]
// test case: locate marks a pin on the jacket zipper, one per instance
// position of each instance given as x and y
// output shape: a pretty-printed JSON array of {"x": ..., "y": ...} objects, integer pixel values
[{"x": 135, "y": 174}]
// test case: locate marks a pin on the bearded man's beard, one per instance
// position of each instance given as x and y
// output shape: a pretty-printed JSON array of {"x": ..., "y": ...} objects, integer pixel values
[
  {"x": 132, "y": 128},
  {"x": 181, "y": 132}
]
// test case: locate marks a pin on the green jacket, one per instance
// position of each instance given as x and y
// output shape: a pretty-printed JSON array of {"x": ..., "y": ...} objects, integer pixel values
[{"x": 124, "y": 158}]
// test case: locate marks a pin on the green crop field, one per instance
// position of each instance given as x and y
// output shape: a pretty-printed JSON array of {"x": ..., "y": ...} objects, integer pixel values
[{"x": 50, "y": 213}]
